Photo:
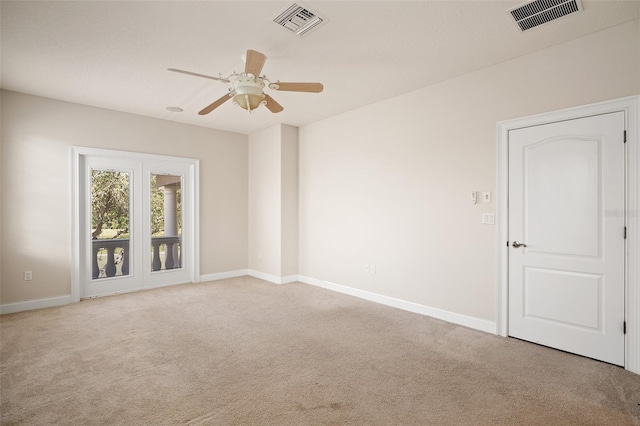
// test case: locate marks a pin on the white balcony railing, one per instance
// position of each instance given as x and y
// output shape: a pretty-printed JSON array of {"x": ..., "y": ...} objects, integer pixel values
[{"x": 166, "y": 254}]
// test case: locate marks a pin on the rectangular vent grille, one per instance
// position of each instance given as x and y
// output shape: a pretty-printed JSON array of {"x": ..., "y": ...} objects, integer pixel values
[
  {"x": 298, "y": 19},
  {"x": 540, "y": 12}
]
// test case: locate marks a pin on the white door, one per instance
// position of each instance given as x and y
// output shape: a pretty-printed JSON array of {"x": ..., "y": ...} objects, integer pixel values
[
  {"x": 566, "y": 235},
  {"x": 166, "y": 243},
  {"x": 150, "y": 241}
]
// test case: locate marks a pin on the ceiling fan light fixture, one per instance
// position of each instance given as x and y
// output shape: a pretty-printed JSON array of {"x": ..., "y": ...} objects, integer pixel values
[
  {"x": 248, "y": 102},
  {"x": 249, "y": 93}
]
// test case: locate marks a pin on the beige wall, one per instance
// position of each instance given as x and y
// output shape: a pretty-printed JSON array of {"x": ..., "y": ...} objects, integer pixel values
[
  {"x": 289, "y": 200},
  {"x": 264, "y": 202},
  {"x": 1, "y": 203},
  {"x": 37, "y": 134},
  {"x": 273, "y": 201},
  {"x": 389, "y": 184}
]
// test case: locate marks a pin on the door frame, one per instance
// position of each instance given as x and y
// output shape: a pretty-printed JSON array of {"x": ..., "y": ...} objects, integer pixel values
[
  {"x": 629, "y": 106},
  {"x": 78, "y": 155}
]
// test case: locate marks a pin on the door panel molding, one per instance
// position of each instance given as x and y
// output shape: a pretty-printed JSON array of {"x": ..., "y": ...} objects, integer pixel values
[
  {"x": 630, "y": 107},
  {"x": 79, "y": 185}
]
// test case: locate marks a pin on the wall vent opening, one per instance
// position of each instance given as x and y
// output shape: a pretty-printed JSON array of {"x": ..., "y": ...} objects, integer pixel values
[
  {"x": 538, "y": 12},
  {"x": 298, "y": 20}
]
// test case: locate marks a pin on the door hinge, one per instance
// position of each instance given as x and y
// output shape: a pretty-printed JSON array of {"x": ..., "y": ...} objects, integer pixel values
[
  {"x": 625, "y": 232},
  {"x": 507, "y": 243},
  {"x": 624, "y": 327},
  {"x": 625, "y": 136}
]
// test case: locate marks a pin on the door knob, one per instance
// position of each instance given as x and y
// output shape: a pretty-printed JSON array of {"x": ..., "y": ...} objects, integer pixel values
[{"x": 516, "y": 244}]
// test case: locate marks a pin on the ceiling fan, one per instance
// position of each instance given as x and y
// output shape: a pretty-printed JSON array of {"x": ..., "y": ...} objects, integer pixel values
[{"x": 247, "y": 88}]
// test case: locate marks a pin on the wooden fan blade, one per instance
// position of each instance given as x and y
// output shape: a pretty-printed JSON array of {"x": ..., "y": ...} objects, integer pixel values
[
  {"x": 272, "y": 105},
  {"x": 198, "y": 75},
  {"x": 254, "y": 63},
  {"x": 216, "y": 104},
  {"x": 298, "y": 87}
]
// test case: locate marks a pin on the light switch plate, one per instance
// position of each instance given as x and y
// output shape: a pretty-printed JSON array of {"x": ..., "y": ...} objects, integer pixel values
[{"x": 486, "y": 197}]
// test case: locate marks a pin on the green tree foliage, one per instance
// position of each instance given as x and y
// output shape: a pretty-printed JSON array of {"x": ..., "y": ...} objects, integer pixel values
[
  {"x": 109, "y": 202},
  {"x": 157, "y": 209}
]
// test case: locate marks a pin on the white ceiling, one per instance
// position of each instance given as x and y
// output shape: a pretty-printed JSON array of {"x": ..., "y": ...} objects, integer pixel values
[{"x": 115, "y": 54}]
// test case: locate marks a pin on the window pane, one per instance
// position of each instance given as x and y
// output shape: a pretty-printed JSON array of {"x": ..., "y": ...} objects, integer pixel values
[
  {"x": 166, "y": 222},
  {"x": 109, "y": 223}
]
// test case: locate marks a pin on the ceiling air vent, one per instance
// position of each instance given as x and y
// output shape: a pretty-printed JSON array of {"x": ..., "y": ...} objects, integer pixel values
[
  {"x": 298, "y": 19},
  {"x": 538, "y": 12}
]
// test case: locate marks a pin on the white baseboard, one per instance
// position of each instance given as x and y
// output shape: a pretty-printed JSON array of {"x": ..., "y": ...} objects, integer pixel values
[
  {"x": 464, "y": 320},
  {"x": 289, "y": 279},
  {"x": 223, "y": 275},
  {"x": 29, "y": 305},
  {"x": 273, "y": 278}
]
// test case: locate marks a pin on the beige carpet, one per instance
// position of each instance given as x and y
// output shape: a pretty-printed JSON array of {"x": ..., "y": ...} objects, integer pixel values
[{"x": 243, "y": 351}]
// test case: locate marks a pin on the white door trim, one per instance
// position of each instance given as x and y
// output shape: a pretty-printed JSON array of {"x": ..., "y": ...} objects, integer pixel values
[
  {"x": 629, "y": 106},
  {"x": 77, "y": 158}
]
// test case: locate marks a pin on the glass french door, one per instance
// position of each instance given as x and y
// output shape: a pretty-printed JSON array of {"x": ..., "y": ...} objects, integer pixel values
[{"x": 136, "y": 223}]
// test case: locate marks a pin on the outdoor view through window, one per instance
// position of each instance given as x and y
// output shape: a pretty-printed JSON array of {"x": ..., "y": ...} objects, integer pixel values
[{"x": 112, "y": 224}]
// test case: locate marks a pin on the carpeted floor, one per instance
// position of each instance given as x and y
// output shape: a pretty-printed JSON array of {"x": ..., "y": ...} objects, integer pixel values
[{"x": 244, "y": 352}]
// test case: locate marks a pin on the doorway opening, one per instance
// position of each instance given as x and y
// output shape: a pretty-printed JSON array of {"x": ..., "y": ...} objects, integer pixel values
[{"x": 135, "y": 217}]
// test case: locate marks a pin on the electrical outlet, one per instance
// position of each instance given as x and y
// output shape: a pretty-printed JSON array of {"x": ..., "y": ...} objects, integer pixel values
[
  {"x": 28, "y": 275},
  {"x": 366, "y": 268}
]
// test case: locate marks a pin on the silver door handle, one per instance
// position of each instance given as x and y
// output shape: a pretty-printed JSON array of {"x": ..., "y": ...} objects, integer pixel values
[{"x": 516, "y": 244}]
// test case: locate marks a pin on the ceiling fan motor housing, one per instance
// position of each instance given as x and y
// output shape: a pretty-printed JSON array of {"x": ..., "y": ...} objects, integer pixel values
[{"x": 249, "y": 92}]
